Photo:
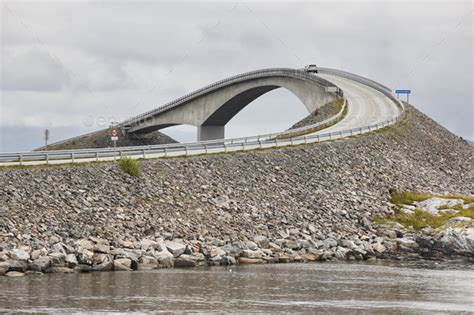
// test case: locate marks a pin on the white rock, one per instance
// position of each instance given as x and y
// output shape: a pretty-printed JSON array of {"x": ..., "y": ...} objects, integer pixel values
[
  {"x": 19, "y": 254},
  {"x": 175, "y": 248},
  {"x": 431, "y": 205}
]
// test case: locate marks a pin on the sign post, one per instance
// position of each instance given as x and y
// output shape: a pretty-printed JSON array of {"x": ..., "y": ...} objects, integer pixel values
[
  {"x": 114, "y": 137},
  {"x": 46, "y": 138},
  {"x": 407, "y": 92}
]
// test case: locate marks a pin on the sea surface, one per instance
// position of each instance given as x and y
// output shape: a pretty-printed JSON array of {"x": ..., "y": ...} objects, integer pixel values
[{"x": 332, "y": 287}]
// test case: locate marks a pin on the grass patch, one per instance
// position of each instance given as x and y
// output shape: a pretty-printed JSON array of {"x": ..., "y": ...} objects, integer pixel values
[
  {"x": 407, "y": 198},
  {"x": 129, "y": 166},
  {"x": 420, "y": 219}
]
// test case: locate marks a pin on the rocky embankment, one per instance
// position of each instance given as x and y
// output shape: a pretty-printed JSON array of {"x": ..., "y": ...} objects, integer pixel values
[
  {"x": 324, "y": 112},
  {"x": 101, "y": 139},
  {"x": 306, "y": 203}
]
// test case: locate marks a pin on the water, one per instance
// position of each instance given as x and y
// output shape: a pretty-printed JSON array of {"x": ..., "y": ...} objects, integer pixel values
[{"x": 389, "y": 288}]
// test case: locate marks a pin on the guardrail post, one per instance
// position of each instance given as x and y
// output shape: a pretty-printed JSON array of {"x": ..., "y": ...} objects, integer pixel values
[
  {"x": 259, "y": 143},
  {"x": 20, "y": 159},
  {"x": 166, "y": 151},
  {"x": 291, "y": 140},
  {"x": 186, "y": 149},
  {"x": 144, "y": 154},
  {"x": 360, "y": 130},
  {"x": 317, "y": 137},
  {"x": 72, "y": 157},
  {"x": 243, "y": 146},
  {"x": 47, "y": 159},
  {"x": 351, "y": 132},
  {"x": 97, "y": 156},
  {"x": 205, "y": 148},
  {"x": 225, "y": 147},
  {"x": 276, "y": 142},
  {"x": 330, "y": 135},
  {"x": 305, "y": 139},
  {"x": 369, "y": 128}
]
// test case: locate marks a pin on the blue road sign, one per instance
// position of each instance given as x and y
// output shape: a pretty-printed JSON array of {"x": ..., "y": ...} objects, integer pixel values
[{"x": 402, "y": 91}]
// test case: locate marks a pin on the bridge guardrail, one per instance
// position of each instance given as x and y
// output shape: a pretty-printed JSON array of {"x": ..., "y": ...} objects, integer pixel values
[{"x": 259, "y": 141}]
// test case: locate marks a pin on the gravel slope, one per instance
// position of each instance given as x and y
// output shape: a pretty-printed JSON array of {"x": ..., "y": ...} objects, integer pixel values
[{"x": 320, "y": 191}]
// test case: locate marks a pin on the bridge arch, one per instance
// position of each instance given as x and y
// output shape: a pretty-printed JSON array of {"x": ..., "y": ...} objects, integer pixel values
[{"x": 211, "y": 110}]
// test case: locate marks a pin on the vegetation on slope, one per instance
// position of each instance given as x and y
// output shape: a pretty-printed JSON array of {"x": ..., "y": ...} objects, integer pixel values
[
  {"x": 129, "y": 166},
  {"x": 419, "y": 218}
]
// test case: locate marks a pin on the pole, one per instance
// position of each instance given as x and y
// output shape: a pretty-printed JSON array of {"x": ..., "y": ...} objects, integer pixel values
[
  {"x": 46, "y": 138},
  {"x": 115, "y": 154}
]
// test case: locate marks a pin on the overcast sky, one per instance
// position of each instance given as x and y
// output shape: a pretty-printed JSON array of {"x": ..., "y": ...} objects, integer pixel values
[{"x": 74, "y": 67}]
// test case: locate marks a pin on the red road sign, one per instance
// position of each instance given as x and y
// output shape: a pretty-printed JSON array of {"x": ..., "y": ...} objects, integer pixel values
[{"x": 114, "y": 134}]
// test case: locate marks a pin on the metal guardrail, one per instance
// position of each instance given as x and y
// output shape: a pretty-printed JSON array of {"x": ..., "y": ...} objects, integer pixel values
[{"x": 220, "y": 145}]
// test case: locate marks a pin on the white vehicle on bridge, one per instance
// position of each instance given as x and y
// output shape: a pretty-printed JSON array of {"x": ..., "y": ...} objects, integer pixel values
[{"x": 311, "y": 68}]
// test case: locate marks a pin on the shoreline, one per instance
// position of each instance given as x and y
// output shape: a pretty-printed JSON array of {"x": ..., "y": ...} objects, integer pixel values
[{"x": 97, "y": 255}]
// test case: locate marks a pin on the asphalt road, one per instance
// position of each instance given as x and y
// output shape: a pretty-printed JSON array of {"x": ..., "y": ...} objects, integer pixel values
[{"x": 366, "y": 105}]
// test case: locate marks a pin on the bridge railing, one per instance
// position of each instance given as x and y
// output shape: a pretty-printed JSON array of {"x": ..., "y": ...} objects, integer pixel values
[
  {"x": 220, "y": 145},
  {"x": 215, "y": 146}
]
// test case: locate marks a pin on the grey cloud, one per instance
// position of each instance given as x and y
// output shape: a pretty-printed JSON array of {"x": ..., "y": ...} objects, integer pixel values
[
  {"x": 129, "y": 57},
  {"x": 32, "y": 71}
]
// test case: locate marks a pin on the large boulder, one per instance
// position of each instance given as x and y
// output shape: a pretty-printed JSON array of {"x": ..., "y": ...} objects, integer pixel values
[
  {"x": 14, "y": 274},
  {"x": 165, "y": 259},
  {"x": 175, "y": 248},
  {"x": 147, "y": 263},
  {"x": 17, "y": 265},
  {"x": 122, "y": 264},
  {"x": 40, "y": 264},
  {"x": 85, "y": 257},
  {"x": 251, "y": 253},
  {"x": 250, "y": 261},
  {"x": 71, "y": 260},
  {"x": 193, "y": 260},
  {"x": 185, "y": 261},
  {"x": 459, "y": 241},
  {"x": 19, "y": 254},
  {"x": 261, "y": 241},
  {"x": 105, "y": 265},
  {"x": 147, "y": 244},
  {"x": 58, "y": 259}
]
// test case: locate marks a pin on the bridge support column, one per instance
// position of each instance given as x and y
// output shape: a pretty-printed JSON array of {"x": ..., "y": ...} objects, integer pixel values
[{"x": 209, "y": 132}]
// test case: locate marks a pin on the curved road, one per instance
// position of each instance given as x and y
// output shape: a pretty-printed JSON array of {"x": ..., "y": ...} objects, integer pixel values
[{"x": 366, "y": 105}]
